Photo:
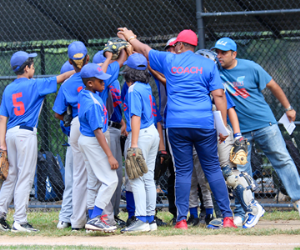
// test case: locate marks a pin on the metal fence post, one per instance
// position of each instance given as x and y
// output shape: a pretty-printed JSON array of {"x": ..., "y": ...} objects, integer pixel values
[{"x": 200, "y": 25}]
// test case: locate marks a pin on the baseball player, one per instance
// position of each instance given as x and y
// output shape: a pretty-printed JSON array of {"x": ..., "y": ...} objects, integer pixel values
[
  {"x": 66, "y": 207},
  {"x": 244, "y": 80},
  {"x": 19, "y": 112},
  {"x": 189, "y": 81},
  {"x": 142, "y": 134}
]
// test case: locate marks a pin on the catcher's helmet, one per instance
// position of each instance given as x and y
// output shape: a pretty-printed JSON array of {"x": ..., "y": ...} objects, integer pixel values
[{"x": 210, "y": 55}]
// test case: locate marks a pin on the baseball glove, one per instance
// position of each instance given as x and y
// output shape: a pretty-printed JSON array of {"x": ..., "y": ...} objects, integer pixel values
[
  {"x": 239, "y": 151},
  {"x": 68, "y": 116},
  {"x": 135, "y": 163},
  {"x": 161, "y": 168},
  {"x": 115, "y": 45},
  {"x": 4, "y": 165}
]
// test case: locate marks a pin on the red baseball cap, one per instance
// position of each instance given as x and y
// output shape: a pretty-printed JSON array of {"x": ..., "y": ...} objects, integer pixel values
[{"x": 186, "y": 36}]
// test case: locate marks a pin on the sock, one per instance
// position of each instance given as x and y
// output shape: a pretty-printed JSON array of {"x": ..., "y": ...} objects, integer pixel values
[
  {"x": 150, "y": 218},
  {"x": 209, "y": 211},
  {"x": 90, "y": 212},
  {"x": 194, "y": 211},
  {"x": 130, "y": 206},
  {"x": 142, "y": 218},
  {"x": 96, "y": 212}
]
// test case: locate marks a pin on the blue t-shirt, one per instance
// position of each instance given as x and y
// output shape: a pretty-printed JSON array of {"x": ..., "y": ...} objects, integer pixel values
[
  {"x": 116, "y": 94},
  {"x": 22, "y": 100},
  {"x": 245, "y": 83},
  {"x": 68, "y": 95},
  {"x": 230, "y": 103},
  {"x": 190, "y": 79},
  {"x": 113, "y": 70},
  {"x": 92, "y": 113}
]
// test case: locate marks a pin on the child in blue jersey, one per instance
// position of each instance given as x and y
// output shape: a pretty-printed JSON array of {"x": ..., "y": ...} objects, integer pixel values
[
  {"x": 19, "y": 112},
  {"x": 102, "y": 165},
  {"x": 143, "y": 135}
]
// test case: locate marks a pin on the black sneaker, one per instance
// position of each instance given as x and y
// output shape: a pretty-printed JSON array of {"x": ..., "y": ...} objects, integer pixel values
[
  {"x": 173, "y": 221},
  {"x": 99, "y": 224},
  {"x": 130, "y": 220},
  {"x": 26, "y": 227},
  {"x": 208, "y": 218},
  {"x": 159, "y": 222},
  {"x": 192, "y": 221},
  {"x": 137, "y": 226},
  {"x": 120, "y": 222},
  {"x": 4, "y": 225}
]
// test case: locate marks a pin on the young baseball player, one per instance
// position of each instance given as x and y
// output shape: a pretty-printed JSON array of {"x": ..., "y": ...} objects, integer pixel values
[
  {"x": 66, "y": 207},
  {"x": 143, "y": 135},
  {"x": 19, "y": 112},
  {"x": 93, "y": 145}
]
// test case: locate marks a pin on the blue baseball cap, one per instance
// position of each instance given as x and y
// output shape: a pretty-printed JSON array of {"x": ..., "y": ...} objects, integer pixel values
[
  {"x": 66, "y": 67},
  {"x": 77, "y": 50},
  {"x": 19, "y": 58},
  {"x": 137, "y": 61},
  {"x": 93, "y": 70},
  {"x": 225, "y": 44},
  {"x": 99, "y": 57}
]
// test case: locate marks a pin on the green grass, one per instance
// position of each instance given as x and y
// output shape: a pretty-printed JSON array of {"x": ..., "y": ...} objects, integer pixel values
[
  {"x": 46, "y": 222},
  {"x": 38, "y": 247}
]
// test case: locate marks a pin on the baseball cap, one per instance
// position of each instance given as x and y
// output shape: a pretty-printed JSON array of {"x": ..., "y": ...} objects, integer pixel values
[
  {"x": 19, "y": 58},
  {"x": 66, "y": 67},
  {"x": 225, "y": 44},
  {"x": 93, "y": 70},
  {"x": 186, "y": 36},
  {"x": 169, "y": 41},
  {"x": 137, "y": 61},
  {"x": 77, "y": 50},
  {"x": 99, "y": 57}
]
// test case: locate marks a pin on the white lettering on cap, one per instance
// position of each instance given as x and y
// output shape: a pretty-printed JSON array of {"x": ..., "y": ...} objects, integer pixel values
[{"x": 222, "y": 43}]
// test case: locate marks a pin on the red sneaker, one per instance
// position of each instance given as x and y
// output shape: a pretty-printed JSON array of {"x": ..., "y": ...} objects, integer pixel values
[
  {"x": 228, "y": 222},
  {"x": 181, "y": 225}
]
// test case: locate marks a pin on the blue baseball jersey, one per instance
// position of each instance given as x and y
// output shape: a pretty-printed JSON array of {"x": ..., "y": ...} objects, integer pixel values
[
  {"x": 65, "y": 130},
  {"x": 116, "y": 94},
  {"x": 22, "y": 100},
  {"x": 230, "y": 103},
  {"x": 92, "y": 113},
  {"x": 68, "y": 95},
  {"x": 190, "y": 79},
  {"x": 245, "y": 83},
  {"x": 113, "y": 70}
]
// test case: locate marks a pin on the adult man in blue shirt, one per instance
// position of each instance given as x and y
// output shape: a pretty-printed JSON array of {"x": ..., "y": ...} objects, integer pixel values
[
  {"x": 190, "y": 80},
  {"x": 245, "y": 80}
]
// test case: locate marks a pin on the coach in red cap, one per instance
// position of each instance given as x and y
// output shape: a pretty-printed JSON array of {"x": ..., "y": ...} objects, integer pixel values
[{"x": 190, "y": 122}]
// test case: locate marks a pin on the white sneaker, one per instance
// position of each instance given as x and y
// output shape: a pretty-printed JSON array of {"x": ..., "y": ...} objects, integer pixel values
[
  {"x": 297, "y": 206},
  {"x": 62, "y": 225},
  {"x": 23, "y": 228},
  {"x": 253, "y": 219},
  {"x": 238, "y": 221},
  {"x": 153, "y": 225},
  {"x": 137, "y": 226}
]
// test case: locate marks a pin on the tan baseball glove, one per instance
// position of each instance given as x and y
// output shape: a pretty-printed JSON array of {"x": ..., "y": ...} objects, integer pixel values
[{"x": 135, "y": 163}]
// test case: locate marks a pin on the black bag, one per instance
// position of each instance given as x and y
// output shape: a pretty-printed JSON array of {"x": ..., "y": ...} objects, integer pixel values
[{"x": 47, "y": 166}]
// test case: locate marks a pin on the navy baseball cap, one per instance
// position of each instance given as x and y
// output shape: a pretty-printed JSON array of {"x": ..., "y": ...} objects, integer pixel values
[
  {"x": 137, "y": 61},
  {"x": 66, "y": 67},
  {"x": 99, "y": 57},
  {"x": 225, "y": 44},
  {"x": 93, "y": 70},
  {"x": 19, "y": 58},
  {"x": 77, "y": 50}
]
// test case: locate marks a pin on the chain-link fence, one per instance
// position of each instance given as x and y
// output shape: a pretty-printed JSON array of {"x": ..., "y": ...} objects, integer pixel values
[{"x": 267, "y": 32}]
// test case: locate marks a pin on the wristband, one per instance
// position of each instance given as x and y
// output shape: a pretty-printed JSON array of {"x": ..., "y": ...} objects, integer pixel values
[
  {"x": 289, "y": 108},
  {"x": 132, "y": 37},
  {"x": 237, "y": 135}
]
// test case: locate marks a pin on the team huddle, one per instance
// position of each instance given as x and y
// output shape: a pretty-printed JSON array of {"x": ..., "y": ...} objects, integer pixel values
[{"x": 178, "y": 134}]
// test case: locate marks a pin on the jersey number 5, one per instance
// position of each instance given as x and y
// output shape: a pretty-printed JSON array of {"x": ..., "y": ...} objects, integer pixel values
[{"x": 19, "y": 106}]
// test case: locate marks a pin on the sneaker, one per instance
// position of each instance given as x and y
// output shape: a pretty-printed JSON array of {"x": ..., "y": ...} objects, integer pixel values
[
  {"x": 120, "y": 222},
  {"x": 159, "y": 222},
  {"x": 76, "y": 229},
  {"x": 62, "y": 225},
  {"x": 137, "y": 226},
  {"x": 173, "y": 221},
  {"x": 253, "y": 219},
  {"x": 26, "y": 227},
  {"x": 130, "y": 220},
  {"x": 215, "y": 224},
  {"x": 4, "y": 225},
  {"x": 192, "y": 221},
  {"x": 181, "y": 225},
  {"x": 297, "y": 206},
  {"x": 228, "y": 223},
  {"x": 153, "y": 225},
  {"x": 208, "y": 218},
  {"x": 238, "y": 221},
  {"x": 99, "y": 224}
]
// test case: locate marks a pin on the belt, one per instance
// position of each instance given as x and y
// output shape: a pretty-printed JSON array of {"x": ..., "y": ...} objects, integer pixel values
[
  {"x": 114, "y": 125},
  {"x": 26, "y": 127}
]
